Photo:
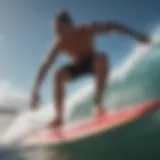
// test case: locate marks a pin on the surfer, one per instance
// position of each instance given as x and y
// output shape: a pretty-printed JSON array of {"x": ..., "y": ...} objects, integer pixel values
[{"x": 77, "y": 42}]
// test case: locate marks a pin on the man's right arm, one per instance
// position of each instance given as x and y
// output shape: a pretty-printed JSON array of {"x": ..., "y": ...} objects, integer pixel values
[
  {"x": 42, "y": 71},
  {"x": 46, "y": 65}
]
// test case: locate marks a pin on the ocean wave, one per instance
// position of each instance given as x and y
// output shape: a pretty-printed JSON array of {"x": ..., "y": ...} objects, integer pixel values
[{"x": 122, "y": 90}]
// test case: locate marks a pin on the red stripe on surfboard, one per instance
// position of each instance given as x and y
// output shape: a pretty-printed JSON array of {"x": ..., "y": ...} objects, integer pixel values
[{"x": 86, "y": 127}]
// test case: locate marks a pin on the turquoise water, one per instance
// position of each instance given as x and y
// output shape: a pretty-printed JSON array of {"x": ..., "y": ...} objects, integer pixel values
[{"x": 138, "y": 140}]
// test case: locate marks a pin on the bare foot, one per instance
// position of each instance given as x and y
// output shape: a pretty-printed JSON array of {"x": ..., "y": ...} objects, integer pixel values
[
  {"x": 56, "y": 123},
  {"x": 98, "y": 112}
]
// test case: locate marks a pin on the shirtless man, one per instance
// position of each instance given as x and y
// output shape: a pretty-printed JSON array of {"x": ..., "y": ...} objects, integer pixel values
[{"x": 77, "y": 43}]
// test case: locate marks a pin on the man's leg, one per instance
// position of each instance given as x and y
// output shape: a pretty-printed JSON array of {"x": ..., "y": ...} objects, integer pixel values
[
  {"x": 69, "y": 72},
  {"x": 101, "y": 69},
  {"x": 60, "y": 78}
]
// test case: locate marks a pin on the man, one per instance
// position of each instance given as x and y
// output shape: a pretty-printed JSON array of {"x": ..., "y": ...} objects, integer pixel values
[{"x": 77, "y": 43}]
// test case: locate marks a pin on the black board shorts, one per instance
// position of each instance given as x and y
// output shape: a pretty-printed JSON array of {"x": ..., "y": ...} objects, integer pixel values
[{"x": 81, "y": 67}]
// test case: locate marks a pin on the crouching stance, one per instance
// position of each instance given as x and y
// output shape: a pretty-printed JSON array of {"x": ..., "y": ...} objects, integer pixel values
[{"x": 77, "y": 43}]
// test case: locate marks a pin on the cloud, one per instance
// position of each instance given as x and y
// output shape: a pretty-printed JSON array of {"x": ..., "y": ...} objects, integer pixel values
[{"x": 10, "y": 97}]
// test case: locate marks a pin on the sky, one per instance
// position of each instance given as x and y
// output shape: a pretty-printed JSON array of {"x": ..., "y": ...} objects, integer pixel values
[{"x": 26, "y": 32}]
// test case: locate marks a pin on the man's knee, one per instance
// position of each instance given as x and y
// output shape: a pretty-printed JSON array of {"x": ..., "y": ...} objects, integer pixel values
[
  {"x": 102, "y": 59},
  {"x": 61, "y": 75}
]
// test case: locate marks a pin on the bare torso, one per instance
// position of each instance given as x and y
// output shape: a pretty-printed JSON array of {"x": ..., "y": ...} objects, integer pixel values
[{"x": 79, "y": 44}]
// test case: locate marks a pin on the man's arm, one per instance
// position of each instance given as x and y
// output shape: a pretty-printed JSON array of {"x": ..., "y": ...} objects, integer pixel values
[
  {"x": 41, "y": 73},
  {"x": 103, "y": 27},
  {"x": 45, "y": 66}
]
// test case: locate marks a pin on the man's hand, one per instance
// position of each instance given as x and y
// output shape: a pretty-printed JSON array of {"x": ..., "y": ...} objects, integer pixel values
[
  {"x": 34, "y": 102},
  {"x": 143, "y": 39},
  {"x": 56, "y": 123}
]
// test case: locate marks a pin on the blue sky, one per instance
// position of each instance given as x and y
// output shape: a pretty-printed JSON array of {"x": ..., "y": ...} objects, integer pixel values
[{"x": 26, "y": 32}]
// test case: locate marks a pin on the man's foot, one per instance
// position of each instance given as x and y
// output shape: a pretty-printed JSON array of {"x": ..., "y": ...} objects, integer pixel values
[
  {"x": 56, "y": 123},
  {"x": 98, "y": 112}
]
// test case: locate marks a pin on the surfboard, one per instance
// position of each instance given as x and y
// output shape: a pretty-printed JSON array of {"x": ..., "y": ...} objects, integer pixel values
[{"x": 91, "y": 126}]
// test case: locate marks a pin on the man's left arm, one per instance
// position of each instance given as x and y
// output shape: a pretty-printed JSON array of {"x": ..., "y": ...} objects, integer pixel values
[{"x": 110, "y": 26}]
